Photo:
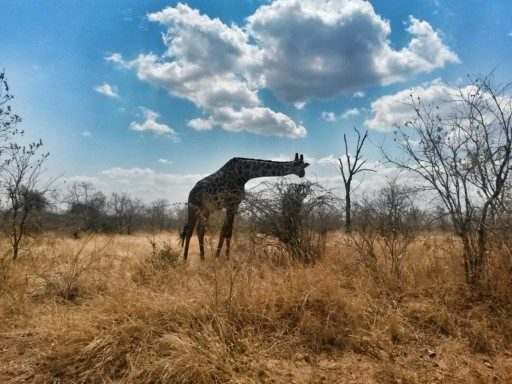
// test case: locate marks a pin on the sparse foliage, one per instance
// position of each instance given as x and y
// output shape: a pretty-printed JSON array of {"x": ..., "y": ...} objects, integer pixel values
[{"x": 8, "y": 119}]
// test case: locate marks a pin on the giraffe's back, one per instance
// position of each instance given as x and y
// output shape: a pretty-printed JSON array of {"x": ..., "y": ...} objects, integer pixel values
[{"x": 216, "y": 191}]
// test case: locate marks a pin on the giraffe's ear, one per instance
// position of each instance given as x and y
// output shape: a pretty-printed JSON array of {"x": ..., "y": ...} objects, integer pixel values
[
  {"x": 301, "y": 157},
  {"x": 306, "y": 165},
  {"x": 296, "y": 156}
]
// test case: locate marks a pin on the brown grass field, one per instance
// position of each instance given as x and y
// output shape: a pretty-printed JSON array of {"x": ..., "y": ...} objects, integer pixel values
[{"x": 108, "y": 309}]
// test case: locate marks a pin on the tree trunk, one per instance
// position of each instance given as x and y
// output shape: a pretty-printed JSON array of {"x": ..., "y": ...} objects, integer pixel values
[
  {"x": 474, "y": 248},
  {"x": 15, "y": 248},
  {"x": 348, "y": 207},
  {"x": 466, "y": 254}
]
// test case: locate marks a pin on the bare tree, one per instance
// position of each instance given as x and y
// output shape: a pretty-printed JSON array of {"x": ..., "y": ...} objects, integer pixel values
[
  {"x": 124, "y": 210},
  {"x": 158, "y": 214},
  {"x": 20, "y": 182},
  {"x": 353, "y": 167},
  {"x": 20, "y": 173},
  {"x": 465, "y": 156}
]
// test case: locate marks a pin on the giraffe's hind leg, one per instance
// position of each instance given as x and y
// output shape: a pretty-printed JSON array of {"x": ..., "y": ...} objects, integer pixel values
[
  {"x": 201, "y": 229},
  {"x": 229, "y": 233}
]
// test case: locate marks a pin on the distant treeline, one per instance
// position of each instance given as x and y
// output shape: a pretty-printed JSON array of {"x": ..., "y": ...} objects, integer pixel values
[{"x": 83, "y": 208}]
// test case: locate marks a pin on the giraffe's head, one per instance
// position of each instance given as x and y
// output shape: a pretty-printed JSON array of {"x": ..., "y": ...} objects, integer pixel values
[{"x": 299, "y": 166}]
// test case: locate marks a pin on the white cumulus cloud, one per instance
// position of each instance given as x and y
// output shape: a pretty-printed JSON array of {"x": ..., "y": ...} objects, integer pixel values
[
  {"x": 201, "y": 124},
  {"x": 351, "y": 112},
  {"x": 318, "y": 48},
  {"x": 328, "y": 116},
  {"x": 397, "y": 109},
  {"x": 151, "y": 125},
  {"x": 107, "y": 90},
  {"x": 390, "y": 110},
  {"x": 329, "y": 160},
  {"x": 149, "y": 176},
  {"x": 258, "y": 120},
  {"x": 424, "y": 53},
  {"x": 149, "y": 184}
]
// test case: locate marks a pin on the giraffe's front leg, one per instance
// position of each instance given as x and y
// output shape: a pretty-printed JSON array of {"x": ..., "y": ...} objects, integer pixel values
[
  {"x": 226, "y": 232},
  {"x": 221, "y": 242},
  {"x": 189, "y": 229}
]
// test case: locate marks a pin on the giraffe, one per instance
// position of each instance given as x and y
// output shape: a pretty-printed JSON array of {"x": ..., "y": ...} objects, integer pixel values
[{"x": 225, "y": 189}]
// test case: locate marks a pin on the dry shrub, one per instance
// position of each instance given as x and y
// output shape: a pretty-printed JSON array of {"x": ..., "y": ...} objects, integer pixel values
[
  {"x": 311, "y": 312},
  {"x": 147, "y": 339},
  {"x": 433, "y": 318},
  {"x": 499, "y": 272},
  {"x": 161, "y": 262},
  {"x": 395, "y": 330},
  {"x": 480, "y": 339},
  {"x": 71, "y": 273},
  {"x": 299, "y": 215},
  {"x": 386, "y": 227},
  {"x": 197, "y": 358},
  {"x": 163, "y": 254},
  {"x": 391, "y": 374}
]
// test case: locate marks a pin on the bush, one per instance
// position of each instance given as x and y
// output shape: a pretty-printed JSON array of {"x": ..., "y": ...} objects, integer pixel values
[
  {"x": 299, "y": 215},
  {"x": 163, "y": 254},
  {"x": 386, "y": 226}
]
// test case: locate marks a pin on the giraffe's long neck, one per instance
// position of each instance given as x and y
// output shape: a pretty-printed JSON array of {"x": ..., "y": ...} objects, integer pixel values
[{"x": 252, "y": 168}]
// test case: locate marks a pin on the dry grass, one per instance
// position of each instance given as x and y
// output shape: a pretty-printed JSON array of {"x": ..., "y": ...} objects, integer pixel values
[{"x": 123, "y": 310}]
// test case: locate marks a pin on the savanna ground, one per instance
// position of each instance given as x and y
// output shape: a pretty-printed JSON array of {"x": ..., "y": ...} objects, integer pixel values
[{"x": 121, "y": 309}]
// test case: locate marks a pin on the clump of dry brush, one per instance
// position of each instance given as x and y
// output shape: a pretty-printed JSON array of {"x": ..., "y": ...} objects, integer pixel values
[
  {"x": 297, "y": 215},
  {"x": 386, "y": 225}
]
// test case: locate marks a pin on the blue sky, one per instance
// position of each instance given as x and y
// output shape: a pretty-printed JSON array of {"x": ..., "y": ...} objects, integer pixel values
[{"x": 149, "y": 96}]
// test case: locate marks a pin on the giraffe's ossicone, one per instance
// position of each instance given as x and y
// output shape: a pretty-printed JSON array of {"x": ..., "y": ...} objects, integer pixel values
[{"x": 225, "y": 189}]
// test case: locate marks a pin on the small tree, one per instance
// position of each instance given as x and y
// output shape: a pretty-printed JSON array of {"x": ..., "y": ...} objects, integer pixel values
[
  {"x": 20, "y": 173},
  {"x": 86, "y": 207},
  {"x": 386, "y": 224},
  {"x": 465, "y": 156},
  {"x": 20, "y": 177},
  {"x": 348, "y": 171},
  {"x": 158, "y": 214}
]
